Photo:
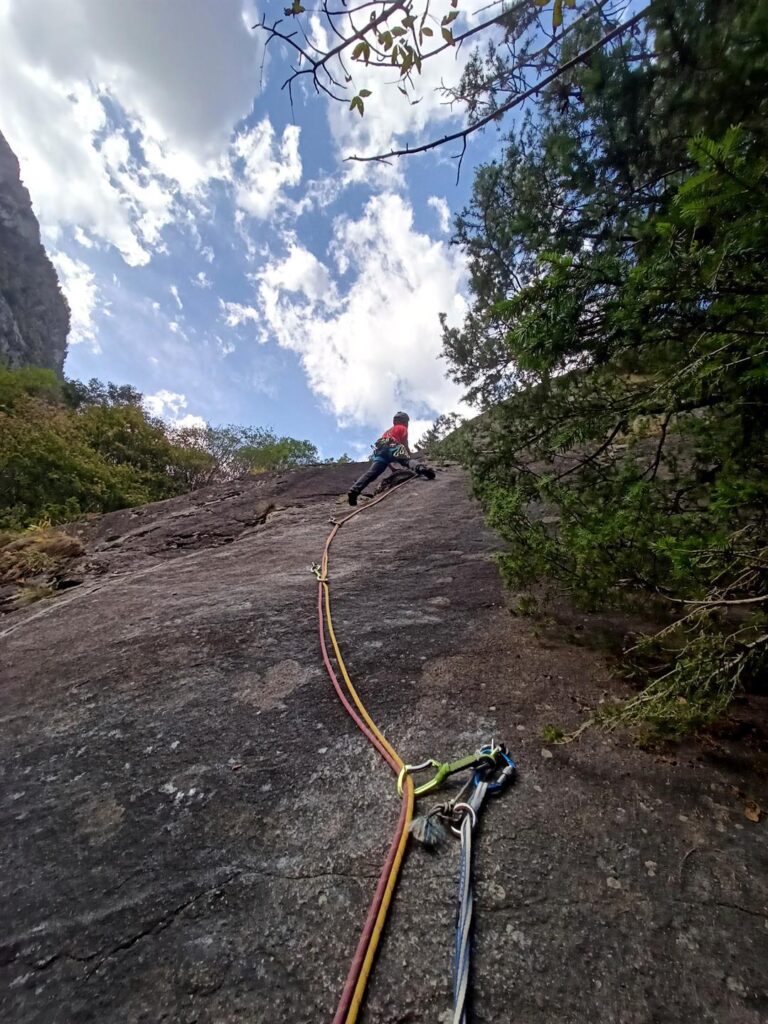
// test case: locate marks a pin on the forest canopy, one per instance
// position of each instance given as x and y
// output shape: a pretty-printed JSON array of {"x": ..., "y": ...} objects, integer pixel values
[{"x": 69, "y": 448}]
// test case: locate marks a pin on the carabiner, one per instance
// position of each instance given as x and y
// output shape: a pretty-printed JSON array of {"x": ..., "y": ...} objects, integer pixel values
[
  {"x": 411, "y": 769},
  {"x": 443, "y": 770},
  {"x": 504, "y": 777}
]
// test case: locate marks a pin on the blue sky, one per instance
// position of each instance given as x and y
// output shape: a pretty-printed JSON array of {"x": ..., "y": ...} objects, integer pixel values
[{"x": 220, "y": 257}]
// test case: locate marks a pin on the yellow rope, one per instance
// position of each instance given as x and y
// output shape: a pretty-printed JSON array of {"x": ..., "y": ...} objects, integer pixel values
[{"x": 381, "y": 917}]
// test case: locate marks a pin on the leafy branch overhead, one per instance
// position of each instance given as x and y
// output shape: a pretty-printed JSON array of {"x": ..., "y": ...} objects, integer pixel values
[{"x": 513, "y": 51}]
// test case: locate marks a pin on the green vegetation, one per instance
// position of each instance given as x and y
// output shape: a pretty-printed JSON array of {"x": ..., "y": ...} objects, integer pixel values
[
  {"x": 68, "y": 448},
  {"x": 617, "y": 342}
]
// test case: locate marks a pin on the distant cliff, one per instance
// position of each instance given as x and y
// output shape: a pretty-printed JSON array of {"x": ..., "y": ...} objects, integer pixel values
[{"x": 34, "y": 315}]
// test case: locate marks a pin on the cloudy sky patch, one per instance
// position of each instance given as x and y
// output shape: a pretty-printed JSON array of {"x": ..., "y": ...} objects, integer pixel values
[{"x": 219, "y": 255}]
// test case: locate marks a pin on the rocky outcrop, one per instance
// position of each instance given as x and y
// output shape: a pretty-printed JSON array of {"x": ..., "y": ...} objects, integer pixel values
[
  {"x": 191, "y": 828},
  {"x": 34, "y": 315}
]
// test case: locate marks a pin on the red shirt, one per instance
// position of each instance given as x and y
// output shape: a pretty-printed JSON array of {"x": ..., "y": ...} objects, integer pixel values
[{"x": 398, "y": 433}]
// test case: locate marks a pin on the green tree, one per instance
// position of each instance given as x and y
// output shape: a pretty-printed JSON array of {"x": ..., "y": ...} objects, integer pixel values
[
  {"x": 618, "y": 254},
  {"x": 232, "y": 451},
  {"x": 68, "y": 448},
  {"x": 443, "y": 438},
  {"x": 279, "y": 453},
  {"x": 30, "y": 381}
]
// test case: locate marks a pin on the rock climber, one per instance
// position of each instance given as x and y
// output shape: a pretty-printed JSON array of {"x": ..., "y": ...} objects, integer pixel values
[{"x": 391, "y": 447}]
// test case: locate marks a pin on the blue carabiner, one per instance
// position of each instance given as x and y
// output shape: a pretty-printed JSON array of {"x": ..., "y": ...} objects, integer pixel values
[{"x": 503, "y": 778}]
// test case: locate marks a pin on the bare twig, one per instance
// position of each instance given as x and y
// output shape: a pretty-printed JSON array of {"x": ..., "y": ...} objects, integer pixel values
[
  {"x": 654, "y": 468},
  {"x": 719, "y": 601}
]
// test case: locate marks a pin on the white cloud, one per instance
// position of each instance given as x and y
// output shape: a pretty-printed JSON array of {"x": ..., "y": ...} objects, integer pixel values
[
  {"x": 440, "y": 206},
  {"x": 226, "y": 348},
  {"x": 263, "y": 168},
  {"x": 175, "y": 293},
  {"x": 82, "y": 239},
  {"x": 190, "y": 420},
  {"x": 79, "y": 285},
  {"x": 165, "y": 403},
  {"x": 67, "y": 177},
  {"x": 201, "y": 280},
  {"x": 374, "y": 344},
  {"x": 118, "y": 129},
  {"x": 301, "y": 272},
  {"x": 170, "y": 406},
  {"x": 235, "y": 314},
  {"x": 188, "y": 67}
]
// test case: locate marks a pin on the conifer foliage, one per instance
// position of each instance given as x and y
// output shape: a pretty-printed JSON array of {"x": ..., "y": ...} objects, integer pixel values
[{"x": 617, "y": 341}]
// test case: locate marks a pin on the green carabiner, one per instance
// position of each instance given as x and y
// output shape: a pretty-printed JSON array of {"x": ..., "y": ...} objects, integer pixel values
[{"x": 444, "y": 770}]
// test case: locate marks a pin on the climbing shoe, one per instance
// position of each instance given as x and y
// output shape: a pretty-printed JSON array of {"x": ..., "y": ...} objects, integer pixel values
[
  {"x": 352, "y": 497},
  {"x": 426, "y": 472}
]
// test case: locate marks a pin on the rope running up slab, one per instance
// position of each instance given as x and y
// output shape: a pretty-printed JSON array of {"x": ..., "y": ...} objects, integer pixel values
[{"x": 362, "y": 962}]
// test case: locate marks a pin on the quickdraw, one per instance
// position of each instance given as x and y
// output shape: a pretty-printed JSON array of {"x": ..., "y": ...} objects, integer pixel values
[
  {"x": 495, "y": 770},
  {"x": 443, "y": 771}
]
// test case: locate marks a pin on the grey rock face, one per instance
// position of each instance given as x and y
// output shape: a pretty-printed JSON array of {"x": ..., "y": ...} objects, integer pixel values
[
  {"x": 34, "y": 315},
  {"x": 191, "y": 827}
]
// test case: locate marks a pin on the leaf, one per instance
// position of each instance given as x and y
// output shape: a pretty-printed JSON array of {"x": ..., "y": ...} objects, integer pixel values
[
  {"x": 398, "y": 31},
  {"x": 362, "y": 49},
  {"x": 357, "y": 104},
  {"x": 365, "y": 93},
  {"x": 557, "y": 14},
  {"x": 450, "y": 17},
  {"x": 428, "y": 830},
  {"x": 409, "y": 21},
  {"x": 296, "y": 8},
  {"x": 448, "y": 35},
  {"x": 753, "y": 812},
  {"x": 386, "y": 40}
]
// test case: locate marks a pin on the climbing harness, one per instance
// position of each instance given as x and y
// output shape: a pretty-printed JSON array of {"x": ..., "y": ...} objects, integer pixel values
[
  {"x": 385, "y": 448},
  {"x": 492, "y": 769}
]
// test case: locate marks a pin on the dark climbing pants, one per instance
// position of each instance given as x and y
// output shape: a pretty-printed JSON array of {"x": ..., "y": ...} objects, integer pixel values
[{"x": 377, "y": 467}]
